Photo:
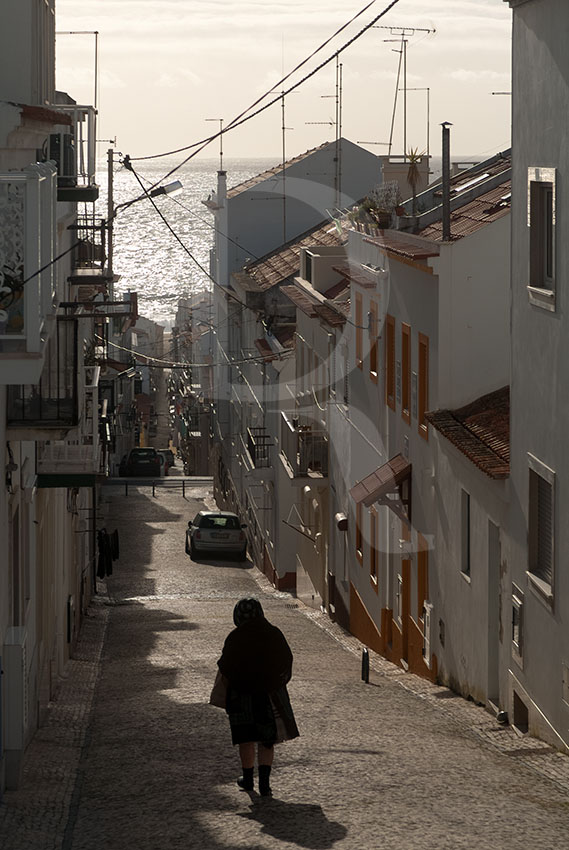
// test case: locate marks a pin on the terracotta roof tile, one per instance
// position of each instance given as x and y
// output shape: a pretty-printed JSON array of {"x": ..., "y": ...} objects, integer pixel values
[
  {"x": 358, "y": 274},
  {"x": 480, "y": 430},
  {"x": 285, "y": 336},
  {"x": 284, "y": 262},
  {"x": 330, "y": 315},
  {"x": 384, "y": 480},
  {"x": 407, "y": 249},
  {"x": 301, "y": 300},
  {"x": 483, "y": 210},
  {"x": 265, "y": 349},
  {"x": 337, "y": 289}
]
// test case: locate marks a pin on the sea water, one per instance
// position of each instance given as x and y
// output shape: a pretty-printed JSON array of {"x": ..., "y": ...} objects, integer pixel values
[{"x": 151, "y": 259}]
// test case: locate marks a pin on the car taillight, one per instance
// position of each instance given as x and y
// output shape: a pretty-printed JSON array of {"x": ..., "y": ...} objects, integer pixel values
[
  {"x": 199, "y": 535},
  {"x": 241, "y": 536}
]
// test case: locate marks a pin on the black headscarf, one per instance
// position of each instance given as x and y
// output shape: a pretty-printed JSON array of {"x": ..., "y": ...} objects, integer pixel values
[
  {"x": 256, "y": 655},
  {"x": 247, "y": 609}
]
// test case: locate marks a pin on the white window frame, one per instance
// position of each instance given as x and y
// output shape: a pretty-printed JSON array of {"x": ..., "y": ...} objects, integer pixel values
[
  {"x": 542, "y": 233},
  {"x": 517, "y": 623},
  {"x": 537, "y": 581}
]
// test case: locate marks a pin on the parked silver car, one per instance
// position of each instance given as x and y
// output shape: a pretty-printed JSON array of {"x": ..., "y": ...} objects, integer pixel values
[{"x": 216, "y": 531}]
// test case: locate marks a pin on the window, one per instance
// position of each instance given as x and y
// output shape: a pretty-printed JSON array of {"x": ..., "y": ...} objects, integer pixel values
[
  {"x": 390, "y": 361},
  {"x": 406, "y": 372},
  {"x": 359, "y": 534},
  {"x": 465, "y": 533},
  {"x": 423, "y": 400},
  {"x": 541, "y": 223},
  {"x": 399, "y": 599},
  {"x": 346, "y": 389},
  {"x": 359, "y": 331},
  {"x": 374, "y": 547},
  {"x": 541, "y": 525},
  {"x": 422, "y": 576},
  {"x": 373, "y": 310},
  {"x": 517, "y": 622}
]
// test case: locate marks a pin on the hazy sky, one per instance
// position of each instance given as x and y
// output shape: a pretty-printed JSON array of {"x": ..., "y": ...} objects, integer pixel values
[{"x": 167, "y": 65}]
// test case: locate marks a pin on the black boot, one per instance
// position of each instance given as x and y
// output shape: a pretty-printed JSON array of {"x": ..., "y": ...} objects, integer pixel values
[
  {"x": 264, "y": 774},
  {"x": 246, "y": 781}
]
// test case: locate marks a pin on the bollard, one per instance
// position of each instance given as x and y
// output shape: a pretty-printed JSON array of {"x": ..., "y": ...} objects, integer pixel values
[
  {"x": 183, "y": 489},
  {"x": 126, "y": 488},
  {"x": 365, "y": 666}
]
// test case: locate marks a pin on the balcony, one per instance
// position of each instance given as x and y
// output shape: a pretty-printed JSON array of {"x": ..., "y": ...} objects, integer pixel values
[
  {"x": 28, "y": 226},
  {"x": 90, "y": 274},
  {"x": 73, "y": 150},
  {"x": 258, "y": 446},
  {"x": 48, "y": 409},
  {"x": 75, "y": 461},
  {"x": 257, "y": 456},
  {"x": 304, "y": 452}
]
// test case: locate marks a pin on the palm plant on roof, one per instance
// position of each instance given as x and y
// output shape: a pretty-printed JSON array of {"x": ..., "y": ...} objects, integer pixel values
[{"x": 413, "y": 174}]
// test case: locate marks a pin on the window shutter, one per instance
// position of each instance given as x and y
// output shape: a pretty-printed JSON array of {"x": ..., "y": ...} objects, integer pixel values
[{"x": 544, "y": 566}]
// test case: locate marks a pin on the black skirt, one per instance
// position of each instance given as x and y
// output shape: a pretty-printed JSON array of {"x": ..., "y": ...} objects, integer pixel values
[{"x": 260, "y": 717}]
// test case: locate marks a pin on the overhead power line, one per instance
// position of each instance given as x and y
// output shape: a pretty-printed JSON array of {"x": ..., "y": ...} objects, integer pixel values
[{"x": 243, "y": 117}]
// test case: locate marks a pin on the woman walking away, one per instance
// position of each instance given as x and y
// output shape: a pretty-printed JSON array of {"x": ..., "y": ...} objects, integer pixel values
[{"x": 257, "y": 663}]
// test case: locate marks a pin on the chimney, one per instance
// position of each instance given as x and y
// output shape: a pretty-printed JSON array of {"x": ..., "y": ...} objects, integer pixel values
[
  {"x": 221, "y": 188},
  {"x": 446, "y": 181}
]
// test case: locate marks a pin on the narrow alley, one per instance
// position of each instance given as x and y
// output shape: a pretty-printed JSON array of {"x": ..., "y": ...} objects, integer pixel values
[{"x": 132, "y": 755}]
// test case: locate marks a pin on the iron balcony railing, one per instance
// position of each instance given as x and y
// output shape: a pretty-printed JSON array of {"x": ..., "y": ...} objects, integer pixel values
[
  {"x": 52, "y": 402},
  {"x": 258, "y": 446},
  {"x": 82, "y": 454},
  {"x": 304, "y": 449}
]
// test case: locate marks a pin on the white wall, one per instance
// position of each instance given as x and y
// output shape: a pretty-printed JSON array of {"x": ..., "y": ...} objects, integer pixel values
[
  {"x": 474, "y": 324},
  {"x": 254, "y": 218}
]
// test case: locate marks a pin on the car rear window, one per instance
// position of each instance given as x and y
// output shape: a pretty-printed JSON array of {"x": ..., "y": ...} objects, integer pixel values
[
  {"x": 143, "y": 453},
  {"x": 229, "y": 522}
]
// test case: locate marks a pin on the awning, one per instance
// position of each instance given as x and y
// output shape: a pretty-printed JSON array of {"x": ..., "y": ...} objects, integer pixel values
[{"x": 389, "y": 485}]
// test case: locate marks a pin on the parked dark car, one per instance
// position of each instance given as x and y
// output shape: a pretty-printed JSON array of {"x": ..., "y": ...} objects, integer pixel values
[{"x": 143, "y": 463}]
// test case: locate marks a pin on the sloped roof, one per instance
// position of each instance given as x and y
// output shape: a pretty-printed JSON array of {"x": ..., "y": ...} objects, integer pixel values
[
  {"x": 392, "y": 242},
  {"x": 383, "y": 480},
  {"x": 273, "y": 172},
  {"x": 332, "y": 313},
  {"x": 474, "y": 215},
  {"x": 301, "y": 300},
  {"x": 480, "y": 430},
  {"x": 284, "y": 262},
  {"x": 356, "y": 273}
]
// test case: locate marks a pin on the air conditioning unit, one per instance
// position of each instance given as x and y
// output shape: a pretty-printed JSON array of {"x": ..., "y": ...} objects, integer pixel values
[{"x": 61, "y": 149}]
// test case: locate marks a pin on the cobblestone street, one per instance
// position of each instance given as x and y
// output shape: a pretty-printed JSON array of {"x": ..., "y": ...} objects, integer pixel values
[{"x": 132, "y": 756}]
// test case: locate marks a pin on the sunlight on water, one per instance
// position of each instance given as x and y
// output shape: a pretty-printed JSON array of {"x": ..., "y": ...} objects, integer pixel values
[{"x": 147, "y": 256}]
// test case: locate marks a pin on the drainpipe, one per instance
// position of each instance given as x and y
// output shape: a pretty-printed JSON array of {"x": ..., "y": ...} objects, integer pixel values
[{"x": 446, "y": 181}]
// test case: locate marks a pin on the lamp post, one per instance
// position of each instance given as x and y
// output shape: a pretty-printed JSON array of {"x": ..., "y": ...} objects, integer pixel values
[{"x": 173, "y": 188}]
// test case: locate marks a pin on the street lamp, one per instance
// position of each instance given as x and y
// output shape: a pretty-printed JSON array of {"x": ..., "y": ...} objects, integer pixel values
[{"x": 171, "y": 189}]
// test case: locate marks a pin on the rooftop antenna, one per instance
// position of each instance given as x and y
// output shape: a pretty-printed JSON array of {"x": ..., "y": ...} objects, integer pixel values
[
  {"x": 401, "y": 34},
  {"x": 428, "y": 114},
  {"x": 338, "y": 154}
]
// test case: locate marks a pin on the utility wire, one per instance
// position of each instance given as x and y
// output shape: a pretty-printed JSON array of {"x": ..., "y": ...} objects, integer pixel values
[
  {"x": 243, "y": 117},
  {"x": 232, "y": 124},
  {"x": 258, "y": 313},
  {"x": 182, "y": 364}
]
